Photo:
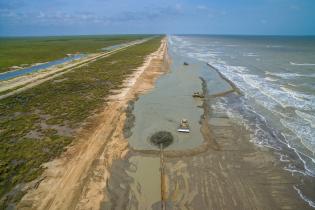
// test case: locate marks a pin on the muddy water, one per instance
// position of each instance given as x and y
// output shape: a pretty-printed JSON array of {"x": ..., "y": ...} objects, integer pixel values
[
  {"x": 170, "y": 101},
  {"x": 235, "y": 175},
  {"x": 149, "y": 191},
  {"x": 134, "y": 183},
  {"x": 137, "y": 177}
]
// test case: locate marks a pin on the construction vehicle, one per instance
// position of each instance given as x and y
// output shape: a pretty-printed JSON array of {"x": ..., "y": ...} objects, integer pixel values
[
  {"x": 183, "y": 126},
  {"x": 198, "y": 95}
]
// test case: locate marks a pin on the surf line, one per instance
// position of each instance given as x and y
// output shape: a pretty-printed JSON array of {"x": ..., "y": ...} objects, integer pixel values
[{"x": 234, "y": 87}]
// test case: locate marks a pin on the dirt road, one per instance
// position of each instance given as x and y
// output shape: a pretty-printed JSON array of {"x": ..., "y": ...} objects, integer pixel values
[
  {"x": 227, "y": 171},
  {"x": 26, "y": 82},
  {"x": 78, "y": 178}
]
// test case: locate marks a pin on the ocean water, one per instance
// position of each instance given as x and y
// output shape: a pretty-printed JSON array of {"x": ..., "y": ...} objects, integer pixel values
[{"x": 276, "y": 75}]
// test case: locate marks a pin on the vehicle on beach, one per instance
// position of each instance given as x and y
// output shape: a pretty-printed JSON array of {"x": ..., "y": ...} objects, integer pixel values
[
  {"x": 186, "y": 64},
  {"x": 183, "y": 126},
  {"x": 198, "y": 95}
]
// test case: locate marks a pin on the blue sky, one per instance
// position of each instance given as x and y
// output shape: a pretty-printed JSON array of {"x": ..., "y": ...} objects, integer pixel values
[{"x": 66, "y": 17}]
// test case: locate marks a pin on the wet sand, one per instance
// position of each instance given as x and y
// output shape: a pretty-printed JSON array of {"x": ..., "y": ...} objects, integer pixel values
[
  {"x": 217, "y": 168},
  {"x": 214, "y": 167},
  {"x": 239, "y": 175}
]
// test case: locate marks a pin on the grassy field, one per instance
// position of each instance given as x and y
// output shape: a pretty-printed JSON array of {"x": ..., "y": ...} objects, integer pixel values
[
  {"x": 36, "y": 125},
  {"x": 18, "y": 51}
]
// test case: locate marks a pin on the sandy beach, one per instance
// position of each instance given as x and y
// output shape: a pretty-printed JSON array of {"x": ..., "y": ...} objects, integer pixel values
[
  {"x": 216, "y": 166},
  {"x": 157, "y": 105},
  {"x": 77, "y": 179},
  {"x": 221, "y": 169}
]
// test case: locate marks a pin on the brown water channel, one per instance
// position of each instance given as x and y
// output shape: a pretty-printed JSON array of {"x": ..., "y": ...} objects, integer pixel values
[
  {"x": 138, "y": 176},
  {"x": 171, "y": 100},
  {"x": 234, "y": 175}
]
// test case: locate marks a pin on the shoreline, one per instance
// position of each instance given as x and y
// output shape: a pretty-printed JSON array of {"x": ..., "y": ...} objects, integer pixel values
[
  {"x": 227, "y": 171},
  {"x": 283, "y": 150},
  {"x": 233, "y": 86},
  {"x": 75, "y": 179}
]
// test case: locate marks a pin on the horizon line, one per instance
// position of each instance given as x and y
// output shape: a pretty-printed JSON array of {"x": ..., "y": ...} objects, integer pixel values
[{"x": 166, "y": 34}]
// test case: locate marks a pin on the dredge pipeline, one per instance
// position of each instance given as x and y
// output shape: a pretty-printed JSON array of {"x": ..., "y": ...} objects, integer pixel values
[
  {"x": 162, "y": 139},
  {"x": 163, "y": 192}
]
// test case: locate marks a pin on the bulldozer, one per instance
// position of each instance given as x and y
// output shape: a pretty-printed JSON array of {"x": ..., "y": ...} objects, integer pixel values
[
  {"x": 183, "y": 126},
  {"x": 198, "y": 95}
]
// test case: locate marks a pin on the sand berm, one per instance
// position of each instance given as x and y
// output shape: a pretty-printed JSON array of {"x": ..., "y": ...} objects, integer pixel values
[{"x": 77, "y": 179}]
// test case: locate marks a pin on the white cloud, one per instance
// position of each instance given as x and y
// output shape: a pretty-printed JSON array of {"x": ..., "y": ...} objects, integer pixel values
[
  {"x": 202, "y": 7},
  {"x": 84, "y": 17}
]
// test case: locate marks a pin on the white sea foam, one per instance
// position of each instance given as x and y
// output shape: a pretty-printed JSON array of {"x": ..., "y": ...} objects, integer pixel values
[
  {"x": 170, "y": 40},
  {"x": 282, "y": 101},
  {"x": 308, "y": 117},
  {"x": 273, "y": 46},
  {"x": 250, "y": 54},
  {"x": 302, "y": 64},
  {"x": 303, "y": 131},
  {"x": 298, "y": 95},
  {"x": 283, "y": 158},
  {"x": 282, "y": 95},
  {"x": 269, "y": 95},
  {"x": 284, "y": 75},
  {"x": 293, "y": 171},
  {"x": 230, "y": 45},
  {"x": 258, "y": 134},
  {"x": 267, "y": 92},
  {"x": 263, "y": 135},
  {"x": 309, "y": 201},
  {"x": 271, "y": 79},
  {"x": 293, "y": 85}
]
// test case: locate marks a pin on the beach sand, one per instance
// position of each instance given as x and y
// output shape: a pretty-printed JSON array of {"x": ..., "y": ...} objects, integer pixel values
[
  {"x": 225, "y": 171},
  {"x": 78, "y": 178},
  {"x": 232, "y": 173},
  {"x": 222, "y": 171}
]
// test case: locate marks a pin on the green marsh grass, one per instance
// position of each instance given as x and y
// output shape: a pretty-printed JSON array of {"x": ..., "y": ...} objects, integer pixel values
[
  {"x": 31, "y": 50},
  {"x": 29, "y": 121}
]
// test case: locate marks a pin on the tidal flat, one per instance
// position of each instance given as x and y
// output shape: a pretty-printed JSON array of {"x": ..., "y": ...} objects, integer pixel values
[{"x": 223, "y": 168}]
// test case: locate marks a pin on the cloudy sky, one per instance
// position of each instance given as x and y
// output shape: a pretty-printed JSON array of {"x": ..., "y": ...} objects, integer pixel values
[{"x": 66, "y": 17}]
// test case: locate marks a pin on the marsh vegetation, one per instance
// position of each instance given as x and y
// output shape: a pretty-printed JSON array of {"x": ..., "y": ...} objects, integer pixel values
[
  {"x": 30, "y": 50},
  {"x": 37, "y": 125}
]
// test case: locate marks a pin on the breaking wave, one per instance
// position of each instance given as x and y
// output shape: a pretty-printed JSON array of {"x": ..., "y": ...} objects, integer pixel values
[
  {"x": 302, "y": 64},
  {"x": 290, "y": 106},
  {"x": 290, "y": 110}
]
